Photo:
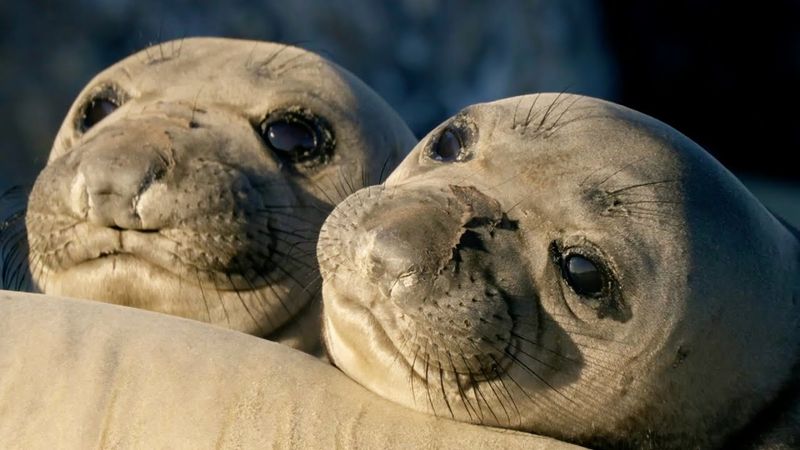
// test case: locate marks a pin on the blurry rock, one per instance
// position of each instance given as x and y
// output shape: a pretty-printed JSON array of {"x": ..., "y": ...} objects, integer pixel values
[{"x": 428, "y": 58}]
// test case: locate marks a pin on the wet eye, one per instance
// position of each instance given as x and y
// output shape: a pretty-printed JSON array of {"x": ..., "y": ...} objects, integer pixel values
[
  {"x": 96, "y": 110},
  {"x": 448, "y": 147},
  {"x": 297, "y": 137},
  {"x": 589, "y": 283},
  {"x": 104, "y": 100},
  {"x": 290, "y": 137},
  {"x": 583, "y": 276}
]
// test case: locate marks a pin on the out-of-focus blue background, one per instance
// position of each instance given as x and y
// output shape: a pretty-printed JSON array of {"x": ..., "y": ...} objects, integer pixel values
[{"x": 725, "y": 75}]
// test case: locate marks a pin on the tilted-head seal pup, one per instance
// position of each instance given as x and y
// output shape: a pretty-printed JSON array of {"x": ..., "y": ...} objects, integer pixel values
[
  {"x": 570, "y": 267},
  {"x": 192, "y": 179}
]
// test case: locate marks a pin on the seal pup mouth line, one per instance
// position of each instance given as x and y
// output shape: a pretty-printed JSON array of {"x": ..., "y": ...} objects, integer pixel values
[
  {"x": 468, "y": 389},
  {"x": 465, "y": 385},
  {"x": 242, "y": 258}
]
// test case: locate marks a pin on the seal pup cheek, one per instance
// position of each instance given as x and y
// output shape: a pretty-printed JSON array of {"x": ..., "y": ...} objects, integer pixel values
[{"x": 356, "y": 343}]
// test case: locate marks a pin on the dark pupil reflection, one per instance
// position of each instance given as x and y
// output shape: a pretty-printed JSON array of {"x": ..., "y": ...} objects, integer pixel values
[
  {"x": 97, "y": 111},
  {"x": 448, "y": 148},
  {"x": 584, "y": 277},
  {"x": 290, "y": 137}
]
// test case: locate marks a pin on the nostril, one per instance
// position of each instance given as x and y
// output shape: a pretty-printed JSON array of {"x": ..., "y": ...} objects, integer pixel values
[
  {"x": 156, "y": 173},
  {"x": 105, "y": 191},
  {"x": 471, "y": 240}
]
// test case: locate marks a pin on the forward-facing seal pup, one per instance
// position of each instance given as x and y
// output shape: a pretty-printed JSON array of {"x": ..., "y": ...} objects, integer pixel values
[
  {"x": 570, "y": 267},
  {"x": 192, "y": 178}
]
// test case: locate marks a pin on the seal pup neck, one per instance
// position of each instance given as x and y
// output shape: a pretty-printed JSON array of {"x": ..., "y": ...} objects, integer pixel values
[{"x": 777, "y": 425}]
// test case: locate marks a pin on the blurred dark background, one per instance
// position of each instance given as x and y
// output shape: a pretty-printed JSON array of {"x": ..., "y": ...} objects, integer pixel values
[{"x": 727, "y": 74}]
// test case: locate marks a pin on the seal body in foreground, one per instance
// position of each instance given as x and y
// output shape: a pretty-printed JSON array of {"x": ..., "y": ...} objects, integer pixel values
[
  {"x": 133, "y": 379},
  {"x": 570, "y": 267},
  {"x": 192, "y": 179}
]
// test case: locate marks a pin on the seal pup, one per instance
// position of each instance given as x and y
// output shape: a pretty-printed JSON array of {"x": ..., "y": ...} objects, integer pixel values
[
  {"x": 566, "y": 266},
  {"x": 192, "y": 178},
  {"x": 103, "y": 376}
]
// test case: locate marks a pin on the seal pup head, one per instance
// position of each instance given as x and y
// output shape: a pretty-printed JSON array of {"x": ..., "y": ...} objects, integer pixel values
[
  {"x": 192, "y": 178},
  {"x": 566, "y": 266}
]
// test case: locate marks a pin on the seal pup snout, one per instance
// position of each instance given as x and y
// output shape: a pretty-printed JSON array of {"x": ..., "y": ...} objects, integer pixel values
[
  {"x": 402, "y": 251},
  {"x": 422, "y": 267},
  {"x": 400, "y": 248},
  {"x": 114, "y": 181}
]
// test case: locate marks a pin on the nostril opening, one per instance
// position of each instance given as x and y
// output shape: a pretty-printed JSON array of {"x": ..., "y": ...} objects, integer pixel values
[
  {"x": 471, "y": 240},
  {"x": 103, "y": 192},
  {"x": 156, "y": 174}
]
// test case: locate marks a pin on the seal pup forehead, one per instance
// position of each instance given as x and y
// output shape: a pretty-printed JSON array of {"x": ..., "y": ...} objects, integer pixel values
[
  {"x": 248, "y": 78},
  {"x": 568, "y": 266},
  {"x": 191, "y": 178},
  {"x": 527, "y": 130}
]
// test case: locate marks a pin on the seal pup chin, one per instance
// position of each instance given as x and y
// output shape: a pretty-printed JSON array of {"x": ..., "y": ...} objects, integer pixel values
[
  {"x": 192, "y": 178},
  {"x": 566, "y": 266}
]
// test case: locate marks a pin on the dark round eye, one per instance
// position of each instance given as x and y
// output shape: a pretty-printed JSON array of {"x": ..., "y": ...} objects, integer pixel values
[
  {"x": 290, "y": 136},
  {"x": 583, "y": 276},
  {"x": 448, "y": 147},
  {"x": 298, "y": 137},
  {"x": 97, "y": 109}
]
